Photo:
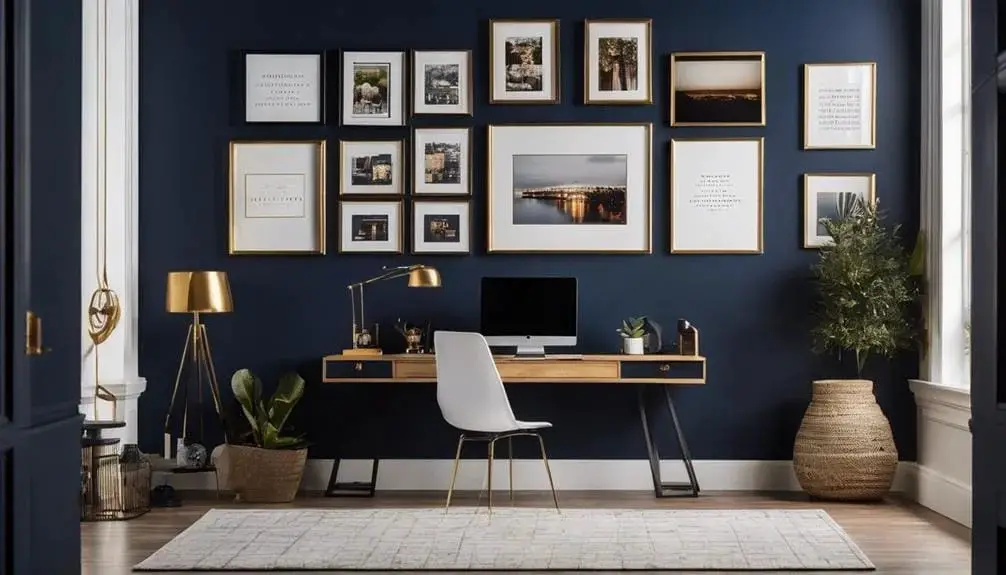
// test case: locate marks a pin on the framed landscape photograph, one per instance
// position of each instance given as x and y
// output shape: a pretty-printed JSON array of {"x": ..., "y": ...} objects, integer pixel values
[
  {"x": 840, "y": 106},
  {"x": 373, "y": 88},
  {"x": 442, "y": 161},
  {"x": 617, "y": 62},
  {"x": 568, "y": 189},
  {"x": 441, "y": 227},
  {"x": 276, "y": 197},
  {"x": 523, "y": 61},
  {"x": 716, "y": 195},
  {"x": 442, "y": 82},
  {"x": 284, "y": 87},
  {"x": 718, "y": 89},
  {"x": 829, "y": 197},
  {"x": 371, "y": 168},
  {"x": 370, "y": 227}
]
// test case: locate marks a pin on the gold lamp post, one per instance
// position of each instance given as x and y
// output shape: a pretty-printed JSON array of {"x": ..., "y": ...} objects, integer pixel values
[
  {"x": 420, "y": 276},
  {"x": 196, "y": 292}
]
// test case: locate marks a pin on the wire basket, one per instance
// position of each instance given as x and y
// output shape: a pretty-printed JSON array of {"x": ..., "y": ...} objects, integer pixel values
[{"x": 114, "y": 484}]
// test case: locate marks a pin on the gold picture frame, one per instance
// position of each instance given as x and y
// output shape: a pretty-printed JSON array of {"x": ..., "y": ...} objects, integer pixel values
[
  {"x": 398, "y": 233},
  {"x": 813, "y": 210},
  {"x": 551, "y": 96},
  {"x": 415, "y": 165},
  {"x": 647, "y": 49},
  {"x": 346, "y": 174},
  {"x": 465, "y": 238},
  {"x": 808, "y": 132},
  {"x": 419, "y": 89},
  {"x": 703, "y": 97}
]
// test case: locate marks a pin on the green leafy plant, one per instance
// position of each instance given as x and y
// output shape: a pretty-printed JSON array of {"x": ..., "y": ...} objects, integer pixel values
[
  {"x": 267, "y": 417},
  {"x": 634, "y": 327},
  {"x": 865, "y": 285}
]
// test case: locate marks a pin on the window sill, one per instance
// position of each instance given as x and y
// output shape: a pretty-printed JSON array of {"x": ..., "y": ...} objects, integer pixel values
[{"x": 944, "y": 404}]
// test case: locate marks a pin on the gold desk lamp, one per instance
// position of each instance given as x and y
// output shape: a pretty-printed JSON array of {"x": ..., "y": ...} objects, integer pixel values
[
  {"x": 196, "y": 292},
  {"x": 420, "y": 276}
]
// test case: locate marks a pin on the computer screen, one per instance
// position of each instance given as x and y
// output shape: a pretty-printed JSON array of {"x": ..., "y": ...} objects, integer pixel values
[{"x": 529, "y": 310}]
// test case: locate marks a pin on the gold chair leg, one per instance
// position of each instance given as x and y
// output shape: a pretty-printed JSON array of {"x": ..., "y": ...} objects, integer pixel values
[
  {"x": 454, "y": 473},
  {"x": 548, "y": 470},
  {"x": 489, "y": 481},
  {"x": 509, "y": 451}
]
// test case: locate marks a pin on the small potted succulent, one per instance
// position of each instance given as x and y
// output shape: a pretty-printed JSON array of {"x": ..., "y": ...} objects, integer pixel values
[{"x": 633, "y": 331}]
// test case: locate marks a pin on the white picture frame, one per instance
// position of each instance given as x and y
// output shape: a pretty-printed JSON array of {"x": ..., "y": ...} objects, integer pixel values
[
  {"x": 284, "y": 88},
  {"x": 441, "y": 161},
  {"x": 618, "y": 63},
  {"x": 372, "y": 226},
  {"x": 840, "y": 106},
  {"x": 366, "y": 102},
  {"x": 608, "y": 166},
  {"x": 441, "y": 227},
  {"x": 442, "y": 82},
  {"x": 276, "y": 197},
  {"x": 529, "y": 74},
  {"x": 717, "y": 195},
  {"x": 825, "y": 195},
  {"x": 371, "y": 167}
]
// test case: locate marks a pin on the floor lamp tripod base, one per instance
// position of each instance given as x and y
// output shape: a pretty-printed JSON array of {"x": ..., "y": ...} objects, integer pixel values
[{"x": 196, "y": 363}]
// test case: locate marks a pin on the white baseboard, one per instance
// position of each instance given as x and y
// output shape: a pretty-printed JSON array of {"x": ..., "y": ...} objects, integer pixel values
[
  {"x": 943, "y": 494},
  {"x": 569, "y": 475}
]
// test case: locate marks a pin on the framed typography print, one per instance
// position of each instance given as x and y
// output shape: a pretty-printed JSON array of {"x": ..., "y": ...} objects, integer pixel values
[
  {"x": 840, "y": 106},
  {"x": 566, "y": 188},
  {"x": 524, "y": 62},
  {"x": 716, "y": 195},
  {"x": 370, "y": 226},
  {"x": 372, "y": 167},
  {"x": 284, "y": 87},
  {"x": 442, "y": 82},
  {"x": 718, "y": 89},
  {"x": 277, "y": 197},
  {"x": 441, "y": 227},
  {"x": 828, "y": 197},
  {"x": 441, "y": 163},
  {"x": 373, "y": 88},
  {"x": 617, "y": 64}
]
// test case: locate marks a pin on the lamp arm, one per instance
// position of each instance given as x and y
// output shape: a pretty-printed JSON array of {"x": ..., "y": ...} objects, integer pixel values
[{"x": 389, "y": 273}]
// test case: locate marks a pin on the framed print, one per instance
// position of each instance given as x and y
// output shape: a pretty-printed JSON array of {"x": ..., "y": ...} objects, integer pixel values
[
  {"x": 442, "y": 82},
  {"x": 441, "y": 227},
  {"x": 828, "y": 197},
  {"x": 373, "y": 89},
  {"x": 371, "y": 168},
  {"x": 523, "y": 61},
  {"x": 840, "y": 106},
  {"x": 617, "y": 64},
  {"x": 277, "y": 197},
  {"x": 716, "y": 196},
  {"x": 284, "y": 87},
  {"x": 718, "y": 89},
  {"x": 370, "y": 227},
  {"x": 442, "y": 160},
  {"x": 566, "y": 189}
]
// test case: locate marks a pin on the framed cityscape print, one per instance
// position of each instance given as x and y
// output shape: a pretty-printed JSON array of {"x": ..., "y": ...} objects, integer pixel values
[
  {"x": 840, "y": 106},
  {"x": 829, "y": 197},
  {"x": 524, "y": 62},
  {"x": 372, "y": 167},
  {"x": 617, "y": 62},
  {"x": 442, "y": 82},
  {"x": 441, "y": 227},
  {"x": 373, "y": 88},
  {"x": 716, "y": 196},
  {"x": 569, "y": 189},
  {"x": 277, "y": 197},
  {"x": 284, "y": 87},
  {"x": 441, "y": 163},
  {"x": 370, "y": 227},
  {"x": 718, "y": 89}
]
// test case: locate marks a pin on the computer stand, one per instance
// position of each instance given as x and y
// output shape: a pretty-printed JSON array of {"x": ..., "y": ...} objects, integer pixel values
[{"x": 529, "y": 352}]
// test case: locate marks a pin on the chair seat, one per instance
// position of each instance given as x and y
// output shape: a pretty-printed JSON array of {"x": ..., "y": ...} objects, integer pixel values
[{"x": 533, "y": 425}]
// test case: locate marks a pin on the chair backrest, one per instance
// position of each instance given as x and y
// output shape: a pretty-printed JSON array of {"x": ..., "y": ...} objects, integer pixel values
[{"x": 469, "y": 389}]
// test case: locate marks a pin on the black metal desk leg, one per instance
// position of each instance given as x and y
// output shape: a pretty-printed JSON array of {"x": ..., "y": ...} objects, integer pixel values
[
  {"x": 660, "y": 488},
  {"x": 686, "y": 455},
  {"x": 351, "y": 488}
]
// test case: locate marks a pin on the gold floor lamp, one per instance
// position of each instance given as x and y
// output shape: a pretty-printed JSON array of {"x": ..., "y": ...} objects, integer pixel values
[
  {"x": 196, "y": 292},
  {"x": 420, "y": 276}
]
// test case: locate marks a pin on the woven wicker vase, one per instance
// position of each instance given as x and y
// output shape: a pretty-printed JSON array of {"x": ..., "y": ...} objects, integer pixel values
[
  {"x": 844, "y": 449},
  {"x": 265, "y": 475}
]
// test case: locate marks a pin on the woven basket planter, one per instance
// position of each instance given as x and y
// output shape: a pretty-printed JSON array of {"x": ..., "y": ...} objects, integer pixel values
[
  {"x": 844, "y": 449},
  {"x": 265, "y": 475}
]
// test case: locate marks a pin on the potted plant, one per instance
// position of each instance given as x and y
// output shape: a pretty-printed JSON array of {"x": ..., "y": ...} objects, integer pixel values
[
  {"x": 632, "y": 331},
  {"x": 844, "y": 448},
  {"x": 269, "y": 466}
]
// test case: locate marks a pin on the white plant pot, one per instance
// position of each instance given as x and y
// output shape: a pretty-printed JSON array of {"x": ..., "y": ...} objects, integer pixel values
[{"x": 632, "y": 345}]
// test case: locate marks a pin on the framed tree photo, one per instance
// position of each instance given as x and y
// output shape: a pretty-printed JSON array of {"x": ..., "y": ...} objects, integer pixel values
[
  {"x": 827, "y": 197},
  {"x": 370, "y": 227},
  {"x": 373, "y": 88},
  {"x": 286, "y": 87},
  {"x": 442, "y": 161},
  {"x": 617, "y": 62},
  {"x": 442, "y": 82},
  {"x": 840, "y": 106},
  {"x": 371, "y": 168},
  {"x": 524, "y": 62},
  {"x": 718, "y": 89},
  {"x": 441, "y": 227}
]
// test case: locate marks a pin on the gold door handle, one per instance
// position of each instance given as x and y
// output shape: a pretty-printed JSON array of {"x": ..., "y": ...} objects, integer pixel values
[{"x": 33, "y": 335}]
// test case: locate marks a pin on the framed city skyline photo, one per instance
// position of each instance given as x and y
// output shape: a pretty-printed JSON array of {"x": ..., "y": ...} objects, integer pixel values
[
  {"x": 565, "y": 189},
  {"x": 441, "y": 163},
  {"x": 284, "y": 87},
  {"x": 617, "y": 62},
  {"x": 717, "y": 88},
  {"x": 442, "y": 82},
  {"x": 840, "y": 106},
  {"x": 827, "y": 196},
  {"x": 371, "y": 168},
  {"x": 370, "y": 226},
  {"x": 441, "y": 227},
  {"x": 373, "y": 89},
  {"x": 523, "y": 61}
]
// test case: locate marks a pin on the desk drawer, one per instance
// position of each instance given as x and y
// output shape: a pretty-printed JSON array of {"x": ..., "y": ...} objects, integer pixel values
[
  {"x": 358, "y": 369},
  {"x": 566, "y": 370},
  {"x": 693, "y": 371}
]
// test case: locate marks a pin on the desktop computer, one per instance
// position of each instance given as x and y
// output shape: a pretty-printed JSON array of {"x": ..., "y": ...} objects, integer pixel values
[{"x": 529, "y": 313}]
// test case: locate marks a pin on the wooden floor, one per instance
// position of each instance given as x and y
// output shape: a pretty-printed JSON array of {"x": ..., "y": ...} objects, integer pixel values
[{"x": 899, "y": 537}]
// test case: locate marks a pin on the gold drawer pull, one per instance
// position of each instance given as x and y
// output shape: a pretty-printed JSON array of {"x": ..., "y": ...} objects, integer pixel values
[
  {"x": 665, "y": 367},
  {"x": 358, "y": 366}
]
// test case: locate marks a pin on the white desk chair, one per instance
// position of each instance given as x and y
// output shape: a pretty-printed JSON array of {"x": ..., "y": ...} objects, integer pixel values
[{"x": 473, "y": 400}]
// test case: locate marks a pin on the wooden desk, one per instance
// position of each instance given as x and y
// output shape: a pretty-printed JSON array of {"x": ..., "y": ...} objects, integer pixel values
[{"x": 647, "y": 372}]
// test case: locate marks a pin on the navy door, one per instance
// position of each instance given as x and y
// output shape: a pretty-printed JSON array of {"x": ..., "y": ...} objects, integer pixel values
[{"x": 40, "y": 76}]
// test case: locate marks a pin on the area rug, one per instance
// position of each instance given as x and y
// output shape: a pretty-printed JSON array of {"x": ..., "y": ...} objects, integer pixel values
[{"x": 509, "y": 539}]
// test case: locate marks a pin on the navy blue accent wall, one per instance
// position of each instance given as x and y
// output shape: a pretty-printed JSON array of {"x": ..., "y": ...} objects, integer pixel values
[{"x": 754, "y": 311}]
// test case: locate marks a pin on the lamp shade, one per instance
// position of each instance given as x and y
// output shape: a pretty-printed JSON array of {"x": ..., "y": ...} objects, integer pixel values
[
  {"x": 424, "y": 276},
  {"x": 199, "y": 292}
]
